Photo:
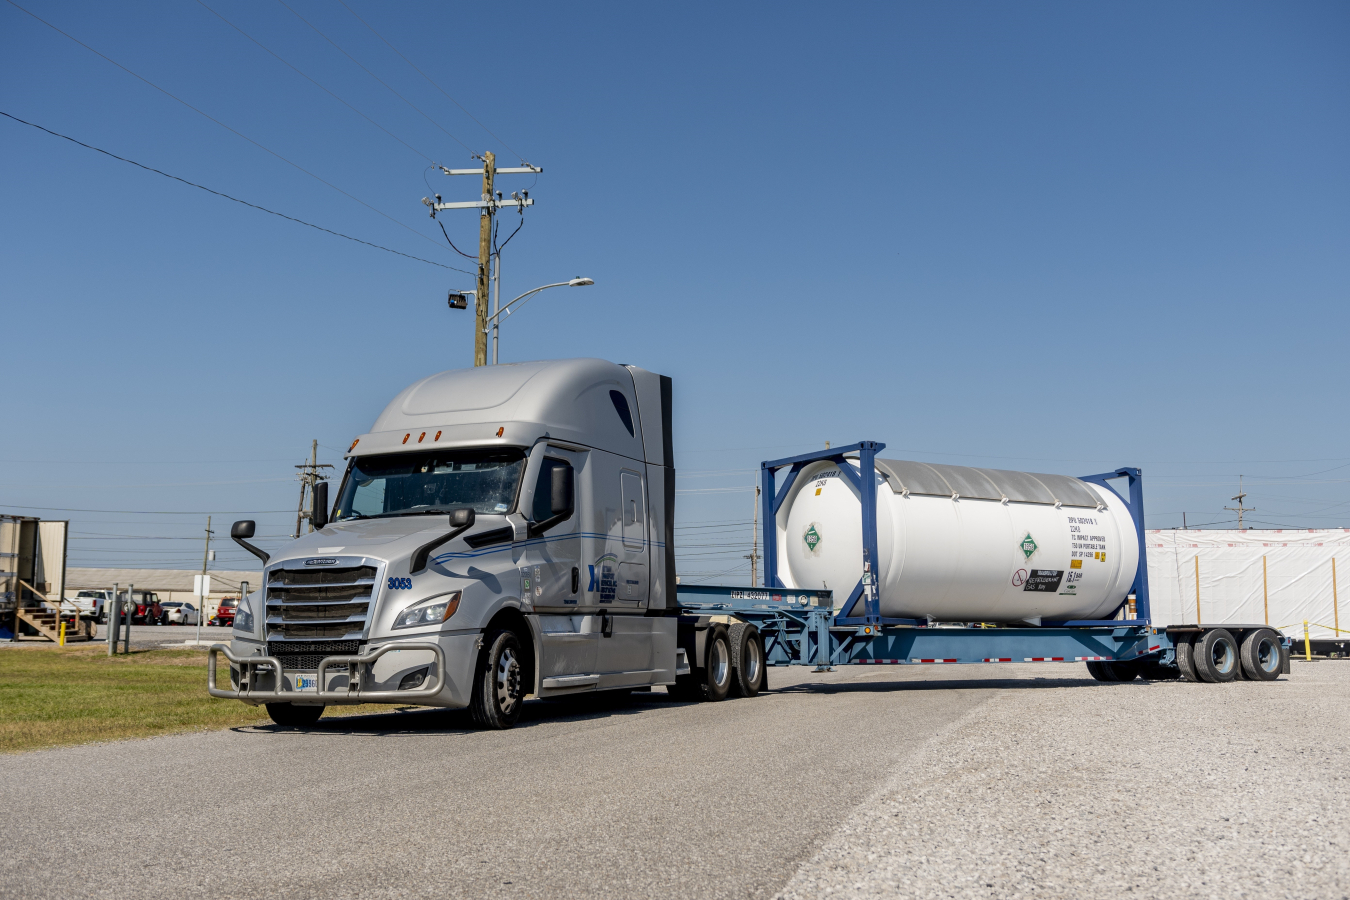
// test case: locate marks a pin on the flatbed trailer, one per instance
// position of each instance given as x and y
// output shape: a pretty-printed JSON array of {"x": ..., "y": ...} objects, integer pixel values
[{"x": 806, "y": 627}]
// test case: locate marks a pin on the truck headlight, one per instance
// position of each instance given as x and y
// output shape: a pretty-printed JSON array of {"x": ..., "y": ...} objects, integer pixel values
[
  {"x": 431, "y": 611},
  {"x": 243, "y": 616}
]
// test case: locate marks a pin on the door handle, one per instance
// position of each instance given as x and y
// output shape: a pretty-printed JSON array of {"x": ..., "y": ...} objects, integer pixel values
[
  {"x": 606, "y": 624},
  {"x": 576, "y": 579}
]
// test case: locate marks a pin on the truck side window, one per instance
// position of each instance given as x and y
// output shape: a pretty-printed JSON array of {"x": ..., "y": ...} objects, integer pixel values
[{"x": 543, "y": 507}]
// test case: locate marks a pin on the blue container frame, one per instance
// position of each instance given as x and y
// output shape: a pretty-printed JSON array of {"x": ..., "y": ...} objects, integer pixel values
[{"x": 864, "y": 479}]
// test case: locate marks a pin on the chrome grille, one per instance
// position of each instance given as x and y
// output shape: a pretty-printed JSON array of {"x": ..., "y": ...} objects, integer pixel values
[{"x": 319, "y": 604}]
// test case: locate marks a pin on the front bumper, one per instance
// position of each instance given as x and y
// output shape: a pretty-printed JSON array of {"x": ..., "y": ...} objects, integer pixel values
[{"x": 358, "y": 671}]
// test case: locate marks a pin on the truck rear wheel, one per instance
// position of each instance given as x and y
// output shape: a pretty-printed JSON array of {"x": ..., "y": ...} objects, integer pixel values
[
  {"x": 715, "y": 676},
  {"x": 293, "y": 716},
  {"x": 497, "y": 691},
  {"x": 1260, "y": 655},
  {"x": 1215, "y": 656},
  {"x": 747, "y": 661}
]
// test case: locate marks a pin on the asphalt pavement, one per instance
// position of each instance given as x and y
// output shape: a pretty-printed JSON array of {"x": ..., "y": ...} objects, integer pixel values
[{"x": 792, "y": 792}]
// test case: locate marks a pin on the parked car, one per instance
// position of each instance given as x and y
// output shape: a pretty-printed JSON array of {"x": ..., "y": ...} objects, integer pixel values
[
  {"x": 225, "y": 614},
  {"x": 176, "y": 613},
  {"x": 91, "y": 603}
]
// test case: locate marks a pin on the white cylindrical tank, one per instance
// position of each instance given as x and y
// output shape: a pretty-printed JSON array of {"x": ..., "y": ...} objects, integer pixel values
[{"x": 960, "y": 544}]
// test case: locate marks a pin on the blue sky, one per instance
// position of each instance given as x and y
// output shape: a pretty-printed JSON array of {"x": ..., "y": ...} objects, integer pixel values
[{"x": 1054, "y": 237}]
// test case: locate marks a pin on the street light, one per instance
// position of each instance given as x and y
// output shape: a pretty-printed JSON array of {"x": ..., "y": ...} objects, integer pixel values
[{"x": 494, "y": 320}]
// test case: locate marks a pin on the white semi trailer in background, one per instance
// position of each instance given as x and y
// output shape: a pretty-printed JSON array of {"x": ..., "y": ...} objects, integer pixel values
[{"x": 507, "y": 531}]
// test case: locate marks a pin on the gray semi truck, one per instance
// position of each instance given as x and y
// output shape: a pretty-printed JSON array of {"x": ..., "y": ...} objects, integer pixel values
[{"x": 507, "y": 531}]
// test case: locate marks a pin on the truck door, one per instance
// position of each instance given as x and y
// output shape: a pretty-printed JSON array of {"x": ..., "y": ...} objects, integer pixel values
[
  {"x": 632, "y": 573},
  {"x": 553, "y": 559}
]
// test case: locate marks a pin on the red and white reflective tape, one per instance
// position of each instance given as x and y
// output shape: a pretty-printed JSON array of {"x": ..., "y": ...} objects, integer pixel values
[
  {"x": 1155, "y": 647},
  {"x": 1043, "y": 659},
  {"x": 932, "y": 660},
  {"x": 880, "y": 662},
  {"x": 1093, "y": 658},
  {"x": 998, "y": 659}
]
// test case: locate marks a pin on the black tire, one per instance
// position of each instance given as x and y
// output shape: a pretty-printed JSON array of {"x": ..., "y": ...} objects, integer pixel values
[
  {"x": 1151, "y": 669},
  {"x": 715, "y": 676},
  {"x": 498, "y": 689},
  {"x": 1215, "y": 656},
  {"x": 1186, "y": 659},
  {"x": 291, "y": 716},
  {"x": 1260, "y": 655},
  {"x": 1105, "y": 670},
  {"x": 686, "y": 688},
  {"x": 747, "y": 661}
]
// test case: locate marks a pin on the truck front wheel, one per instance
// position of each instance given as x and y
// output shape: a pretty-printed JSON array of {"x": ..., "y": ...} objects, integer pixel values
[
  {"x": 292, "y": 716},
  {"x": 498, "y": 694}
]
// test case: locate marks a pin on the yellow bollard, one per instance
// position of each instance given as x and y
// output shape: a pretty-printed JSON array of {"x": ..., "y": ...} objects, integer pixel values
[
  {"x": 1307, "y": 647},
  {"x": 63, "y": 633}
]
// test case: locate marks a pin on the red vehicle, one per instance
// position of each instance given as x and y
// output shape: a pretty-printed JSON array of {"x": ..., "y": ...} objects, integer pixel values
[
  {"x": 225, "y": 614},
  {"x": 145, "y": 608}
]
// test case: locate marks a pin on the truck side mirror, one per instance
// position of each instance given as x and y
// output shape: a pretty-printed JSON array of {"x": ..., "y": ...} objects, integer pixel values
[
  {"x": 462, "y": 517},
  {"x": 318, "y": 514},
  {"x": 241, "y": 531},
  {"x": 560, "y": 490}
]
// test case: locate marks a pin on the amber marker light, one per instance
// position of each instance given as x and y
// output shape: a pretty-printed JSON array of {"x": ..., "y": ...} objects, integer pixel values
[
  {"x": 500, "y": 430},
  {"x": 421, "y": 437},
  {"x": 437, "y": 437},
  {"x": 353, "y": 446},
  {"x": 405, "y": 438}
]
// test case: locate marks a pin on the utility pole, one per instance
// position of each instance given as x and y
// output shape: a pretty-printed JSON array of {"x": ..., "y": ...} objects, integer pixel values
[
  {"x": 487, "y": 207},
  {"x": 309, "y": 476},
  {"x": 1240, "y": 508},
  {"x": 480, "y": 301},
  {"x": 201, "y": 600},
  {"x": 754, "y": 552}
]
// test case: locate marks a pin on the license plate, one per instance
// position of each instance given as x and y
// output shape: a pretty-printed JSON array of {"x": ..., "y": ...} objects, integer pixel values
[{"x": 306, "y": 682}]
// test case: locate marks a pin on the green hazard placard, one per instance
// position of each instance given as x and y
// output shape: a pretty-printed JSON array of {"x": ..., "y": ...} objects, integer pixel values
[
  {"x": 811, "y": 537},
  {"x": 1028, "y": 546}
]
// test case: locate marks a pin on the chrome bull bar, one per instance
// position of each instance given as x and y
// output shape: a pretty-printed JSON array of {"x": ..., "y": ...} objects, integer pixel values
[{"x": 248, "y": 666}]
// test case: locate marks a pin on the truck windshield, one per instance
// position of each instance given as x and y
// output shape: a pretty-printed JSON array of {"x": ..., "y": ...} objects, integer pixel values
[{"x": 399, "y": 484}]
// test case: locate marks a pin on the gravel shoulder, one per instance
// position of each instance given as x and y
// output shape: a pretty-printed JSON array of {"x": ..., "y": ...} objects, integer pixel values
[{"x": 1146, "y": 789}]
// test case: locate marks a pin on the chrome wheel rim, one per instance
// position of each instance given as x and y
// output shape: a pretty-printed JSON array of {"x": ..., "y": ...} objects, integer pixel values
[
  {"x": 751, "y": 663},
  {"x": 718, "y": 664},
  {"x": 508, "y": 680}
]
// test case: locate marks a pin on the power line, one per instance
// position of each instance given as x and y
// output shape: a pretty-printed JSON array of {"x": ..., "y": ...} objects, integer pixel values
[
  {"x": 373, "y": 75},
  {"x": 227, "y": 196},
  {"x": 316, "y": 83},
  {"x": 144, "y": 512},
  {"x": 226, "y": 127},
  {"x": 434, "y": 84}
]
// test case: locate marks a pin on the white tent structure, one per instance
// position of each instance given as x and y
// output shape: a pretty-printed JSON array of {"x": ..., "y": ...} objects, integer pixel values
[{"x": 1279, "y": 578}]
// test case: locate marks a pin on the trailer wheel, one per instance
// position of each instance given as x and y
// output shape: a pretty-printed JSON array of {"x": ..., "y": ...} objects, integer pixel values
[
  {"x": 292, "y": 716},
  {"x": 1152, "y": 670},
  {"x": 747, "y": 661},
  {"x": 1103, "y": 670},
  {"x": 1215, "y": 656},
  {"x": 498, "y": 694},
  {"x": 1186, "y": 659},
  {"x": 1260, "y": 655}
]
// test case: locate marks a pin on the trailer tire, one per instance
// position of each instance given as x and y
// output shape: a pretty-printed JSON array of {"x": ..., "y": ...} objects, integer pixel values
[
  {"x": 288, "y": 715},
  {"x": 1186, "y": 659},
  {"x": 1099, "y": 672},
  {"x": 1260, "y": 655},
  {"x": 747, "y": 661},
  {"x": 498, "y": 693},
  {"x": 1215, "y": 656},
  {"x": 1105, "y": 670},
  {"x": 1153, "y": 670}
]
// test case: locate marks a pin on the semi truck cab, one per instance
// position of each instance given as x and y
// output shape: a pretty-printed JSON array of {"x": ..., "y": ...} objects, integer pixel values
[{"x": 499, "y": 532}]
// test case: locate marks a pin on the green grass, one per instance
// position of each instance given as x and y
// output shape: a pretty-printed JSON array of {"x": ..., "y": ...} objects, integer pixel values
[{"x": 54, "y": 697}]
